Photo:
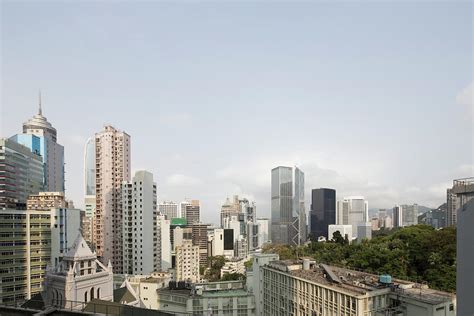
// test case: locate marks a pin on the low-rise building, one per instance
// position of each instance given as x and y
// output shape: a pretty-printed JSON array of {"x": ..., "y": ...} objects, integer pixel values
[
  {"x": 345, "y": 230},
  {"x": 214, "y": 298},
  {"x": 233, "y": 266}
]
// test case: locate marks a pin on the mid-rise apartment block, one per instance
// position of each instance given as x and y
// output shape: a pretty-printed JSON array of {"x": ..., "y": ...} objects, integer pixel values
[
  {"x": 112, "y": 157},
  {"x": 46, "y": 201},
  {"x": 140, "y": 230},
  {"x": 187, "y": 262}
]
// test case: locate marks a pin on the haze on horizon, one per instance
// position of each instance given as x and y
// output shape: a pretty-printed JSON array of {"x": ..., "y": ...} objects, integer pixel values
[{"x": 372, "y": 99}]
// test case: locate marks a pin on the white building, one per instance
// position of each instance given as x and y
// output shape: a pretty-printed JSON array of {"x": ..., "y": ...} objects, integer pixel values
[
  {"x": 78, "y": 279},
  {"x": 187, "y": 262},
  {"x": 164, "y": 243},
  {"x": 65, "y": 224},
  {"x": 169, "y": 209},
  {"x": 233, "y": 266},
  {"x": 263, "y": 224},
  {"x": 352, "y": 210},
  {"x": 218, "y": 242},
  {"x": 146, "y": 287},
  {"x": 345, "y": 230},
  {"x": 140, "y": 241}
]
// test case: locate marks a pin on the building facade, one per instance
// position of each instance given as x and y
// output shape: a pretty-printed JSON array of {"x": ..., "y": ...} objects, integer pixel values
[
  {"x": 164, "y": 243},
  {"x": 168, "y": 209},
  {"x": 352, "y": 210},
  {"x": 288, "y": 220},
  {"x": 46, "y": 201},
  {"x": 192, "y": 212},
  {"x": 199, "y": 237},
  {"x": 187, "y": 262},
  {"x": 21, "y": 174},
  {"x": 139, "y": 224},
  {"x": 112, "y": 168},
  {"x": 457, "y": 196},
  {"x": 323, "y": 211}
]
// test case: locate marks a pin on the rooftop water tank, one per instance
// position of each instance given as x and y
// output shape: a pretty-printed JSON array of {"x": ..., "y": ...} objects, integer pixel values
[{"x": 385, "y": 279}]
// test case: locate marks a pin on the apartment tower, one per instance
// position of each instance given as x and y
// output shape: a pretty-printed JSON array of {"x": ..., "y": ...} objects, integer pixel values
[{"x": 112, "y": 160}]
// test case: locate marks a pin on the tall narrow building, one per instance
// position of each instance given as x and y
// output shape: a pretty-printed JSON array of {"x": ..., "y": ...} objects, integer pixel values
[
  {"x": 41, "y": 138},
  {"x": 89, "y": 177},
  {"x": 139, "y": 224},
  {"x": 323, "y": 211},
  {"x": 288, "y": 222},
  {"x": 112, "y": 159}
]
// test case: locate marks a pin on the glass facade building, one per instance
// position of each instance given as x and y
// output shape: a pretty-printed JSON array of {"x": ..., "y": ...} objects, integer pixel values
[
  {"x": 323, "y": 211},
  {"x": 288, "y": 222}
]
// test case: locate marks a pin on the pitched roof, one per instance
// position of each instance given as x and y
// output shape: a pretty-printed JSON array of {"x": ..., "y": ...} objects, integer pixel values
[{"x": 79, "y": 250}]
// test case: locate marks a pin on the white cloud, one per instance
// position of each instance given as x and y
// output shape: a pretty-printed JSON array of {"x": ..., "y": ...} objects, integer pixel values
[
  {"x": 466, "y": 96},
  {"x": 182, "y": 180}
]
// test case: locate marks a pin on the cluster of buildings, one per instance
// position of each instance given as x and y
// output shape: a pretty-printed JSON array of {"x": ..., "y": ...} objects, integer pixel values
[{"x": 126, "y": 248}]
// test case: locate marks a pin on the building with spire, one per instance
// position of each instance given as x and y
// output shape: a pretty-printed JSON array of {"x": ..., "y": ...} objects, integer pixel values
[
  {"x": 41, "y": 138},
  {"x": 78, "y": 279}
]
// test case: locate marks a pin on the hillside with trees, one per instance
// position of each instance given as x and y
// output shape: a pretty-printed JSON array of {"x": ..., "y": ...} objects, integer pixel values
[{"x": 418, "y": 253}]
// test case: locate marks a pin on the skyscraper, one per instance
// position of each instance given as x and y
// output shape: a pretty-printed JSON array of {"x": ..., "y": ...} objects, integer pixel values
[
  {"x": 323, "y": 211},
  {"x": 112, "y": 168},
  {"x": 288, "y": 221},
  {"x": 405, "y": 215},
  {"x": 41, "y": 137},
  {"x": 192, "y": 212},
  {"x": 21, "y": 174},
  {"x": 89, "y": 177},
  {"x": 139, "y": 224},
  {"x": 353, "y": 210},
  {"x": 168, "y": 209}
]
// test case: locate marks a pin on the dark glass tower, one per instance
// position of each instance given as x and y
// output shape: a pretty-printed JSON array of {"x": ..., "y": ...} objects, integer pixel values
[{"x": 323, "y": 211}]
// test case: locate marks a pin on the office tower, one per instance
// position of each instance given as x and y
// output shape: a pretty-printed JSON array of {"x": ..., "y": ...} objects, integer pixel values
[
  {"x": 461, "y": 193},
  {"x": 21, "y": 174},
  {"x": 323, "y": 211},
  {"x": 263, "y": 224},
  {"x": 182, "y": 208},
  {"x": 25, "y": 245},
  {"x": 288, "y": 221},
  {"x": 89, "y": 177},
  {"x": 253, "y": 235},
  {"x": 169, "y": 209},
  {"x": 199, "y": 237},
  {"x": 112, "y": 168},
  {"x": 65, "y": 224},
  {"x": 187, "y": 262},
  {"x": 41, "y": 138},
  {"x": 139, "y": 224},
  {"x": 405, "y": 215},
  {"x": 352, "y": 211},
  {"x": 192, "y": 212},
  {"x": 229, "y": 243},
  {"x": 78, "y": 279},
  {"x": 364, "y": 231},
  {"x": 46, "y": 201},
  {"x": 465, "y": 259},
  {"x": 164, "y": 243},
  {"x": 230, "y": 208}
]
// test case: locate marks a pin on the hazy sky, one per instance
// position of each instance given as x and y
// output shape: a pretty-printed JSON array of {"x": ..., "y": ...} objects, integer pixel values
[{"x": 369, "y": 98}]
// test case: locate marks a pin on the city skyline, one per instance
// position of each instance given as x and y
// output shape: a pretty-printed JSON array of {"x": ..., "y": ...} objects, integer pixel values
[{"x": 406, "y": 151}]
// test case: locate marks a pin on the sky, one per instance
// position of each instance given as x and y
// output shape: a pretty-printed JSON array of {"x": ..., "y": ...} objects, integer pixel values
[{"x": 369, "y": 98}]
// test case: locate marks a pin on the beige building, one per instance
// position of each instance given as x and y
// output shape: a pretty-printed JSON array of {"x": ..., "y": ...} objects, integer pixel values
[
  {"x": 192, "y": 212},
  {"x": 25, "y": 248},
  {"x": 187, "y": 262},
  {"x": 306, "y": 288},
  {"x": 46, "y": 201},
  {"x": 112, "y": 168}
]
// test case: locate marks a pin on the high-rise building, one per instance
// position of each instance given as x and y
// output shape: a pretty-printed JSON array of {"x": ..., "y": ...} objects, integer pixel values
[
  {"x": 230, "y": 208},
  {"x": 353, "y": 210},
  {"x": 168, "y": 209},
  {"x": 461, "y": 193},
  {"x": 288, "y": 221},
  {"x": 78, "y": 279},
  {"x": 323, "y": 211},
  {"x": 192, "y": 212},
  {"x": 164, "y": 243},
  {"x": 187, "y": 262},
  {"x": 112, "y": 168},
  {"x": 465, "y": 259},
  {"x": 41, "y": 138},
  {"x": 89, "y": 177},
  {"x": 25, "y": 248},
  {"x": 139, "y": 224},
  {"x": 65, "y": 224},
  {"x": 263, "y": 224},
  {"x": 21, "y": 174},
  {"x": 405, "y": 215},
  {"x": 199, "y": 237}
]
